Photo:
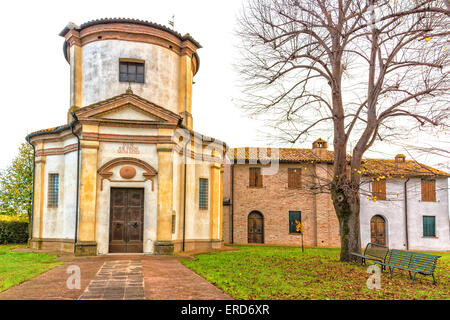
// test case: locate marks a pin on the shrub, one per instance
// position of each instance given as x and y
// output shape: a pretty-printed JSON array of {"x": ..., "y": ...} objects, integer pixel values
[{"x": 13, "y": 229}]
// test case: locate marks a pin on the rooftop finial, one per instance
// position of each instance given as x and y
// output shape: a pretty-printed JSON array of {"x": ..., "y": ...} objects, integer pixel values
[{"x": 129, "y": 91}]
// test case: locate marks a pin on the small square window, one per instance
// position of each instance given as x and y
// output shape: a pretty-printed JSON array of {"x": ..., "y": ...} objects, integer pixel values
[{"x": 131, "y": 72}]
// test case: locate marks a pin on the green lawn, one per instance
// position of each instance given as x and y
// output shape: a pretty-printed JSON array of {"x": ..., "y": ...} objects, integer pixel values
[
  {"x": 16, "y": 267},
  {"x": 262, "y": 272}
]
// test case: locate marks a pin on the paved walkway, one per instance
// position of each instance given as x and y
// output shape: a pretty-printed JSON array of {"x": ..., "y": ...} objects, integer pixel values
[
  {"x": 119, "y": 277},
  {"x": 117, "y": 280}
]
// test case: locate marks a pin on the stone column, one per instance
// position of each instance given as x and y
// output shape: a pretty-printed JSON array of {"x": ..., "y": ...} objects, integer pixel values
[
  {"x": 86, "y": 242},
  {"x": 39, "y": 193},
  {"x": 164, "y": 243},
  {"x": 75, "y": 60}
]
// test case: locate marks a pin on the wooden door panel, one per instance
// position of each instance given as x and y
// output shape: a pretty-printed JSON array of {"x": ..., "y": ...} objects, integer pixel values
[
  {"x": 255, "y": 228},
  {"x": 127, "y": 217},
  {"x": 378, "y": 230}
]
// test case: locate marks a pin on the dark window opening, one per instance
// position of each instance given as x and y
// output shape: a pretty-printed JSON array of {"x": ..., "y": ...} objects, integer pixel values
[
  {"x": 203, "y": 194},
  {"x": 429, "y": 226},
  {"x": 53, "y": 190},
  {"x": 295, "y": 217},
  {"x": 131, "y": 72},
  {"x": 174, "y": 218}
]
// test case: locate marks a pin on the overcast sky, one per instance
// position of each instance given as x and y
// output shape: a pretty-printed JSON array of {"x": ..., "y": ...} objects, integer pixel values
[{"x": 35, "y": 76}]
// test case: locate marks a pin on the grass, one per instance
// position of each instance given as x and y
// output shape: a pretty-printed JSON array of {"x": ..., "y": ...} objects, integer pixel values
[
  {"x": 17, "y": 267},
  {"x": 263, "y": 272}
]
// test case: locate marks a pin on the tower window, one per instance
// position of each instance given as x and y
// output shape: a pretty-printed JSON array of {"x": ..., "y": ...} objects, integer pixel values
[
  {"x": 131, "y": 71},
  {"x": 53, "y": 190}
]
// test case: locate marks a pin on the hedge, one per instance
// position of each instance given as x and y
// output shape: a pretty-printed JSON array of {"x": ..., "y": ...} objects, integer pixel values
[{"x": 13, "y": 229}]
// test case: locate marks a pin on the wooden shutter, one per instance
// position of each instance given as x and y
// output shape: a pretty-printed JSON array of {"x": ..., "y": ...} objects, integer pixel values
[
  {"x": 252, "y": 177},
  {"x": 379, "y": 189},
  {"x": 428, "y": 190},
  {"x": 259, "y": 182},
  {"x": 255, "y": 178},
  {"x": 294, "y": 177}
]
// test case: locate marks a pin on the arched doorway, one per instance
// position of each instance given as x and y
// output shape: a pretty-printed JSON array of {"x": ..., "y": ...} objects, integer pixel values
[
  {"x": 378, "y": 230},
  {"x": 255, "y": 227}
]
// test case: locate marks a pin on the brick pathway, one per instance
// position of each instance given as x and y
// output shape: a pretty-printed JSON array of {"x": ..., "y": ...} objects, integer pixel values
[
  {"x": 167, "y": 279},
  {"x": 119, "y": 277},
  {"x": 117, "y": 280}
]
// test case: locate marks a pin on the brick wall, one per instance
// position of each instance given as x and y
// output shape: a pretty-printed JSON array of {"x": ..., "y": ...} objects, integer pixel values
[{"x": 274, "y": 201}]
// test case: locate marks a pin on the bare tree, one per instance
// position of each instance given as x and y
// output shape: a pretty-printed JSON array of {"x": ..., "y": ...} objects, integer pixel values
[{"x": 368, "y": 69}]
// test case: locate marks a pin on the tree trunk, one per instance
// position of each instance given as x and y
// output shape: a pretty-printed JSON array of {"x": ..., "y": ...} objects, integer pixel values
[{"x": 347, "y": 211}]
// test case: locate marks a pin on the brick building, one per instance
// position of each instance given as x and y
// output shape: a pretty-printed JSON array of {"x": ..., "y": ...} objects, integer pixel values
[
  {"x": 404, "y": 204},
  {"x": 285, "y": 192}
]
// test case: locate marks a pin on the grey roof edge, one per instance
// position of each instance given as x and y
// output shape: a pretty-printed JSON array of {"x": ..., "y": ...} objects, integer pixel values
[
  {"x": 55, "y": 130},
  {"x": 71, "y": 25}
]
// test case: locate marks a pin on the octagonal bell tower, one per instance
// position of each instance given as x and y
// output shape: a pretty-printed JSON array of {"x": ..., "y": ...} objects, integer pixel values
[{"x": 107, "y": 56}]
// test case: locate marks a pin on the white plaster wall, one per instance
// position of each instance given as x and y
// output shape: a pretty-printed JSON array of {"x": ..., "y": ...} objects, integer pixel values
[
  {"x": 393, "y": 210},
  {"x": 418, "y": 208},
  {"x": 53, "y": 218},
  {"x": 100, "y": 75},
  {"x": 70, "y": 194},
  {"x": 198, "y": 221}
]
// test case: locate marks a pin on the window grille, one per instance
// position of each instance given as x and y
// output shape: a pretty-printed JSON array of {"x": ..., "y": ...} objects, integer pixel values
[
  {"x": 203, "y": 193},
  {"x": 53, "y": 190}
]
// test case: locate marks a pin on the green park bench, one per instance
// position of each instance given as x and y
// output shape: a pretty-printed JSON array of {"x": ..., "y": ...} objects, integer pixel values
[
  {"x": 373, "y": 251},
  {"x": 413, "y": 262}
]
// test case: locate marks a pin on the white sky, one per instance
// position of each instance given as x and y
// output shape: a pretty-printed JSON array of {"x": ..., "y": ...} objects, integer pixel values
[{"x": 34, "y": 82}]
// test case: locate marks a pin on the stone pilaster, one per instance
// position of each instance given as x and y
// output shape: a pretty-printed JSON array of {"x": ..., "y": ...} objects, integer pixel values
[
  {"x": 185, "y": 88},
  {"x": 86, "y": 242},
  {"x": 164, "y": 244},
  {"x": 215, "y": 202},
  {"x": 39, "y": 200}
]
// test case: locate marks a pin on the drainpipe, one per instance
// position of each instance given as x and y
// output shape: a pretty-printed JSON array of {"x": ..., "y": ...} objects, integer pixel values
[
  {"x": 32, "y": 190},
  {"x": 406, "y": 214},
  {"x": 184, "y": 192},
  {"x": 232, "y": 202},
  {"x": 72, "y": 126}
]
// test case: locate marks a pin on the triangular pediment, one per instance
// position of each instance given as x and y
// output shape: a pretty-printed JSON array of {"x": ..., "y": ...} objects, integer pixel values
[{"x": 127, "y": 108}]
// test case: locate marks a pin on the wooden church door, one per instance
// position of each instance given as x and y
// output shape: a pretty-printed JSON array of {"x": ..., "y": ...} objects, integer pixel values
[{"x": 127, "y": 220}]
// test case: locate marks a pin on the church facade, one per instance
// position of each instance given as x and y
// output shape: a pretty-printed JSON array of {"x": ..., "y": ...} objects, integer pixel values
[{"x": 127, "y": 173}]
